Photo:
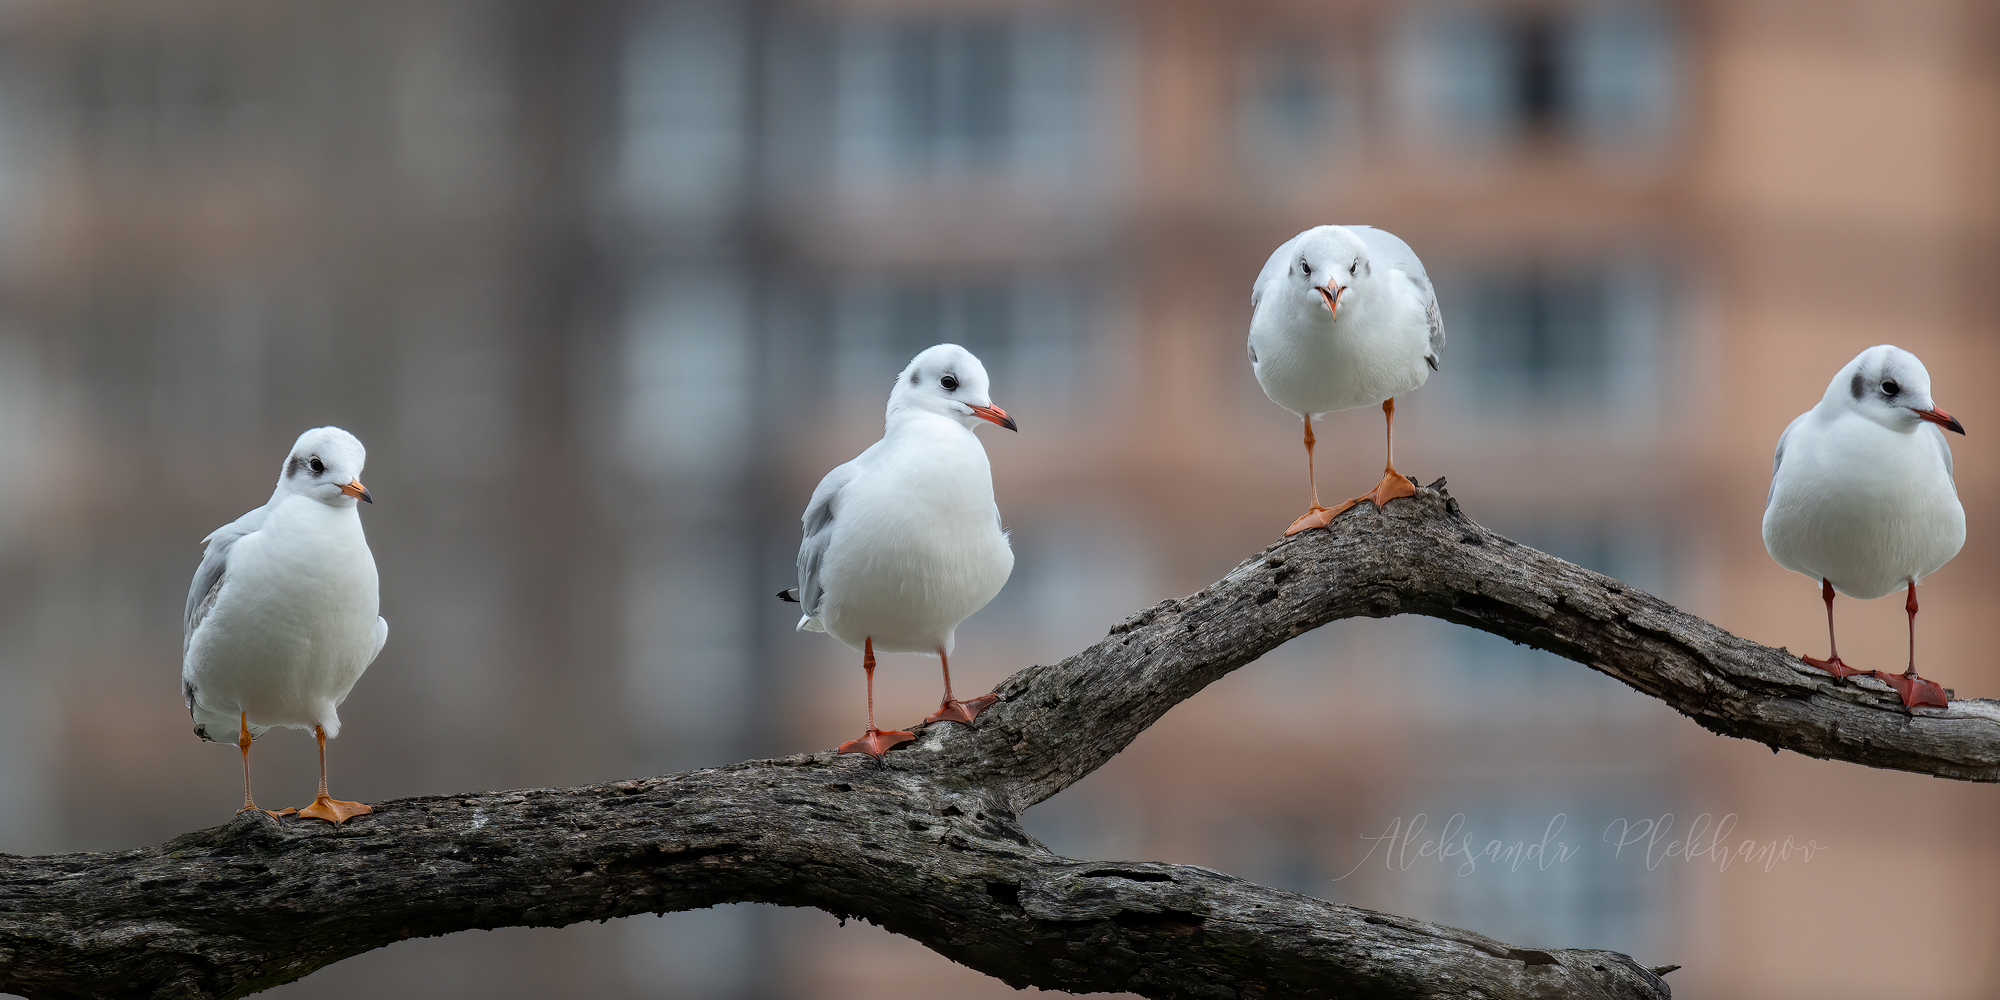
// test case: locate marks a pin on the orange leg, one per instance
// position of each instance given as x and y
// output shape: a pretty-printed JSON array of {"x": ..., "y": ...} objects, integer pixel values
[
  {"x": 953, "y": 710},
  {"x": 1393, "y": 485},
  {"x": 243, "y": 744},
  {"x": 327, "y": 807},
  {"x": 1913, "y": 689},
  {"x": 875, "y": 742},
  {"x": 1831, "y": 664},
  {"x": 1315, "y": 516}
]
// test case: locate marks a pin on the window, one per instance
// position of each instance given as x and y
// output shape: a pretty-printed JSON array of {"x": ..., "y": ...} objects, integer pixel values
[
  {"x": 1290, "y": 103},
  {"x": 1577, "y": 888},
  {"x": 1601, "y": 74},
  {"x": 685, "y": 108},
  {"x": 688, "y": 371},
  {"x": 943, "y": 95},
  {"x": 1556, "y": 337}
]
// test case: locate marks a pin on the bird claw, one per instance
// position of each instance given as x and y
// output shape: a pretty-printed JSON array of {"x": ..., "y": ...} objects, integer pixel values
[
  {"x": 953, "y": 710},
  {"x": 333, "y": 810},
  {"x": 1915, "y": 691},
  {"x": 1839, "y": 670},
  {"x": 876, "y": 742}
]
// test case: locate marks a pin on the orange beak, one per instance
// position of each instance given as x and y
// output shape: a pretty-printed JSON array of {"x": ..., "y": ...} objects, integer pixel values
[
  {"x": 1942, "y": 419},
  {"x": 1332, "y": 296},
  {"x": 996, "y": 415},
  {"x": 357, "y": 491}
]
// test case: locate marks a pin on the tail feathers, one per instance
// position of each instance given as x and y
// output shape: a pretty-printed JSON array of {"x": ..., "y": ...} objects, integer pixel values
[{"x": 808, "y": 623}]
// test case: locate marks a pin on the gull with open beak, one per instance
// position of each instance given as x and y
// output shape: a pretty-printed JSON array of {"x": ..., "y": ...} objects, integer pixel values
[
  {"x": 281, "y": 617},
  {"x": 1344, "y": 316},
  {"x": 904, "y": 542},
  {"x": 1862, "y": 497}
]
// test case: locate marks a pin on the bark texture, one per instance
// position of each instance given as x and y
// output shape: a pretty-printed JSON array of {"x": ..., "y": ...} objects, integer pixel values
[{"x": 927, "y": 842}]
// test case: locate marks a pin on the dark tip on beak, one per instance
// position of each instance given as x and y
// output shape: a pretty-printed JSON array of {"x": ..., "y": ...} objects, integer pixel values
[
  {"x": 996, "y": 415},
  {"x": 1942, "y": 419},
  {"x": 357, "y": 491}
]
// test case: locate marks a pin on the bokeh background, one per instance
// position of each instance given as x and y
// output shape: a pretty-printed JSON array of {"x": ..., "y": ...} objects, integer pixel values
[{"x": 607, "y": 286}]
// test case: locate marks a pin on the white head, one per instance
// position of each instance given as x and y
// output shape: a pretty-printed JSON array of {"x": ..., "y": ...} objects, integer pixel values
[
  {"x": 325, "y": 464},
  {"x": 1890, "y": 386},
  {"x": 947, "y": 380},
  {"x": 1324, "y": 268}
]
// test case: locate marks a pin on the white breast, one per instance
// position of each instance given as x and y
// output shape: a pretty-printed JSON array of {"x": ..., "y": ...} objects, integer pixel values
[
  {"x": 917, "y": 546},
  {"x": 295, "y": 624},
  {"x": 1867, "y": 508},
  {"x": 1309, "y": 363}
]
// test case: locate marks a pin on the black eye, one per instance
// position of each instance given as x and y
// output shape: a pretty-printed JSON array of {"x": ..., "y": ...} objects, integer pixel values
[
  {"x": 317, "y": 466},
  {"x": 1351, "y": 268},
  {"x": 1890, "y": 388},
  {"x": 1305, "y": 268},
  {"x": 950, "y": 383}
]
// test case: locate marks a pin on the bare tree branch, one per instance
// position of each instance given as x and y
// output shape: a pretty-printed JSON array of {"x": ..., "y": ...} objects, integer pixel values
[{"x": 927, "y": 842}]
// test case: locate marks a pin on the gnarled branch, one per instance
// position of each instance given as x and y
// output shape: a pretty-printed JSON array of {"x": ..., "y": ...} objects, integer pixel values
[{"x": 927, "y": 842}]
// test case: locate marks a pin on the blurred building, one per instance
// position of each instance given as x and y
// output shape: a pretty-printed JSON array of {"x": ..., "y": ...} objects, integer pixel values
[{"x": 606, "y": 288}]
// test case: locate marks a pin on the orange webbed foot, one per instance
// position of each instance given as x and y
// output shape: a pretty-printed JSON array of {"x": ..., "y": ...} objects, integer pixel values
[
  {"x": 1915, "y": 690},
  {"x": 333, "y": 810},
  {"x": 1394, "y": 485},
  {"x": 876, "y": 742},
  {"x": 273, "y": 814},
  {"x": 953, "y": 710},
  {"x": 1317, "y": 517},
  {"x": 1839, "y": 670}
]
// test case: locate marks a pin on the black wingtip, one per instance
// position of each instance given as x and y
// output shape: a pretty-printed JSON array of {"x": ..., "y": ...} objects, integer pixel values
[
  {"x": 1431, "y": 360},
  {"x": 789, "y": 596}
]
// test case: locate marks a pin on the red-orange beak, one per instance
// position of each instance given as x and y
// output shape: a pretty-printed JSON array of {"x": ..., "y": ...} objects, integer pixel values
[
  {"x": 1331, "y": 293},
  {"x": 357, "y": 491},
  {"x": 1940, "y": 418},
  {"x": 996, "y": 415}
]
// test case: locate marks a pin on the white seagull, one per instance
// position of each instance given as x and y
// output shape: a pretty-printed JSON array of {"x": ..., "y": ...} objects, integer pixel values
[
  {"x": 904, "y": 542},
  {"x": 1862, "y": 497},
  {"x": 281, "y": 617},
  {"x": 1344, "y": 316}
]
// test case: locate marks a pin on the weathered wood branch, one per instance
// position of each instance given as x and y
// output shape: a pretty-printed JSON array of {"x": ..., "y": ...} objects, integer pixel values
[{"x": 927, "y": 842}]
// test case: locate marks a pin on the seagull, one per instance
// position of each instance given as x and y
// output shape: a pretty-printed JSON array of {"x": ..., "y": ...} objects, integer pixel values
[
  {"x": 281, "y": 616},
  {"x": 904, "y": 542},
  {"x": 1862, "y": 497},
  {"x": 1344, "y": 316}
]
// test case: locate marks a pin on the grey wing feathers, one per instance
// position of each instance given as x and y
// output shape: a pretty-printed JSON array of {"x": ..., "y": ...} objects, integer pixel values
[
  {"x": 1389, "y": 249},
  {"x": 1944, "y": 451},
  {"x": 818, "y": 529},
  {"x": 1779, "y": 459},
  {"x": 214, "y": 561}
]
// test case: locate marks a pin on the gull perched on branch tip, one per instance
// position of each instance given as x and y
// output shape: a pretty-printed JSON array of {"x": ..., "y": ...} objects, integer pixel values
[{"x": 1344, "y": 316}]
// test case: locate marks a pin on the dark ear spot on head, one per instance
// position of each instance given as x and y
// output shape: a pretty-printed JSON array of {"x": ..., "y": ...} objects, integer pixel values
[
  {"x": 914, "y": 377},
  {"x": 292, "y": 467},
  {"x": 1858, "y": 386}
]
